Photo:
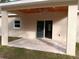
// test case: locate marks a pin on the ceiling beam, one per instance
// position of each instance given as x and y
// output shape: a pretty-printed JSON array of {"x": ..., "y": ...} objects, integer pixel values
[{"x": 37, "y": 4}]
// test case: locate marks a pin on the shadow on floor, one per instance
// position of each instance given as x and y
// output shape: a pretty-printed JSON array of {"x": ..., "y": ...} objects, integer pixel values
[{"x": 53, "y": 45}]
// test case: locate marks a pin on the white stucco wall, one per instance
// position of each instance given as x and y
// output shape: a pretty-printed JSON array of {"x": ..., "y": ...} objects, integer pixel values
[
  {"x": 28, "y": 29},
  {"x": 59, "y": 22},
  {"x": 29, "y": 25}
]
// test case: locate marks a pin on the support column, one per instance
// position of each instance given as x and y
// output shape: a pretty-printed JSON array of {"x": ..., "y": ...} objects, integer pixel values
[
  {"x": 78, "y": 4},
  {"x": 72, "y": 29},
  {"x": 4, "y": 27}
]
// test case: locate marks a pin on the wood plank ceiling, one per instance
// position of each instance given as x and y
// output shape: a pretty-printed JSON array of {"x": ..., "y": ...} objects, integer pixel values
[{"x": 45, "y": 9}]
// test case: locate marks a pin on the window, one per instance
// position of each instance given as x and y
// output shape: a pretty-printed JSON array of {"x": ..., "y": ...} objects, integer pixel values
[
  {"x": 5, "y": 1},
  {"x": 11, "y": 0},
  {"x": 17, "y": 24}
]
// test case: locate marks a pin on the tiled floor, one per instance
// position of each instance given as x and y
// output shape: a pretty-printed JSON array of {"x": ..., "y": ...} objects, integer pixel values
[{"x": 47, "y": 45}]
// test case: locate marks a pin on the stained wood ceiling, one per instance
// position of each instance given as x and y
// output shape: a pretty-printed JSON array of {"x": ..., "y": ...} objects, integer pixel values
[{"x": 46, "y": 9}]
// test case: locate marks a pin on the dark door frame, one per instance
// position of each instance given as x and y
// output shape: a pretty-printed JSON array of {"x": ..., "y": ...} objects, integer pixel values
[{"x": 44, "y": 29}]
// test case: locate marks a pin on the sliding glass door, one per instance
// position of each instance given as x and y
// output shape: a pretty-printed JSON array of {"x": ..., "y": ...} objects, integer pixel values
[{"x": 44, "y": 29}]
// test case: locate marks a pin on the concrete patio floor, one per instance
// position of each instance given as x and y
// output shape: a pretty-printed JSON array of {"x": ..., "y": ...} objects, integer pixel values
[{"x": 46, "y": 45}]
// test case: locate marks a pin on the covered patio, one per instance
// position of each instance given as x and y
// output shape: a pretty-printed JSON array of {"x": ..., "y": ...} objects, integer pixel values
[{"x": 42, "y": 44}]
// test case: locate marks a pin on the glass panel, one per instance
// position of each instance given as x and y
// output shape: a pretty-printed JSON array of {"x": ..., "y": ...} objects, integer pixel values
[
  {"x": 48, "y": 29},
  {"x": 5, "y": 1},
  {"x": 17, "y": 23},
  {"x": 40, "y": 29},
  {"x": 11, "y": 0}
]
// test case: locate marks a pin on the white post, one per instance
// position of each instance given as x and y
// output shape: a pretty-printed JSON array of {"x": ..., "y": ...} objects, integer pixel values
[
  {"x": 72, "y": 29},
  {"x": 4, "y": 38},
  {"x": 78, "y": 4}
]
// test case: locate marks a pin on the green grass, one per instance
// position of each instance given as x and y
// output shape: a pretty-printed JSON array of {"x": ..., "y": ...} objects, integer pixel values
[
  {"x": 77, "y": 49},
  {"x": 20, "y": 53},
  {"x": 11, "y": 39}
]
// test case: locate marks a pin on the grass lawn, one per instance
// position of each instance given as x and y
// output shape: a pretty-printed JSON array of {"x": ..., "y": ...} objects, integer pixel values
[
  {"x": 21, "y": 53},
  {"x": 11, "y": 38}
]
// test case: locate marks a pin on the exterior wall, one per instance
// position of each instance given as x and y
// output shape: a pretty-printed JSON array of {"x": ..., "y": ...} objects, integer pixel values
[
  {"x": 59, "y": 22},
  {"x": 78, "y": 29},
  {"x": 29, "y": 25}
]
